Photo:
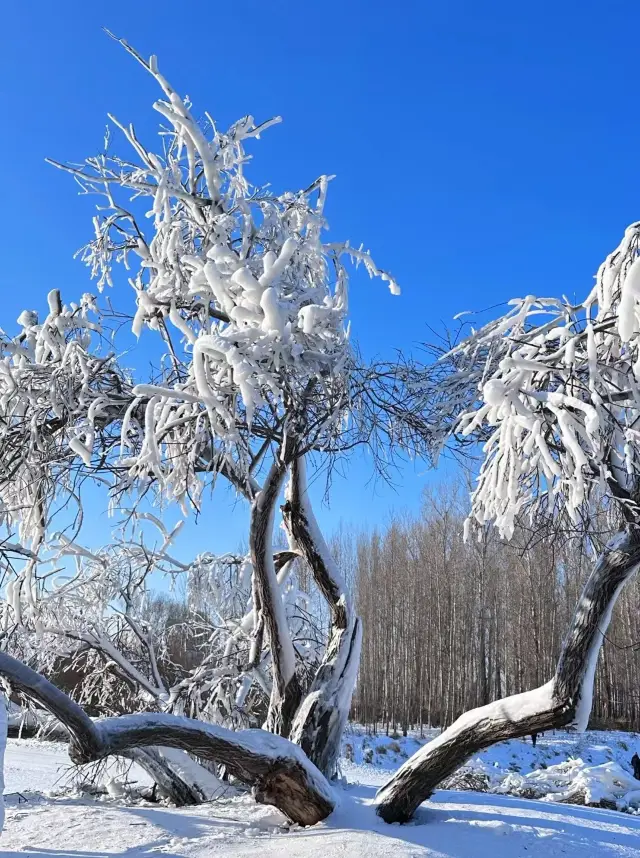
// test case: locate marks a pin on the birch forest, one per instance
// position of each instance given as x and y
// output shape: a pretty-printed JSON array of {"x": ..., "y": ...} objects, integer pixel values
[{"x": 488, "y": 620}]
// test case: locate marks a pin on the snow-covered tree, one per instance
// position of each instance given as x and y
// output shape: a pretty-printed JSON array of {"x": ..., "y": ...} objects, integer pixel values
[
  {"x": 257, "y": 379},
  {"x": 551, "y": 390},
  {"x": 105, "y": 624}
]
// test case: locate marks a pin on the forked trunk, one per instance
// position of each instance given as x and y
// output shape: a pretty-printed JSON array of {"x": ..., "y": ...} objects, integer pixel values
[{"x": 564, "y": 701}]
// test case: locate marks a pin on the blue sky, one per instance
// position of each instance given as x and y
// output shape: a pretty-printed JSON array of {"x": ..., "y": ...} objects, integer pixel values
[{"x": 482, "y": 150}]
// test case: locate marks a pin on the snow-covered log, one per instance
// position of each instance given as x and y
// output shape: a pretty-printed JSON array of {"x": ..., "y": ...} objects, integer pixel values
[
  {"x": 322, "y": 716},
  {"x": 277, "y": 770}
]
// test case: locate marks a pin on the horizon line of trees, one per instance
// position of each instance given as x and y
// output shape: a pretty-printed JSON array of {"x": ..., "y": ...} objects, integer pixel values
[{"x": 450, "y": 625}]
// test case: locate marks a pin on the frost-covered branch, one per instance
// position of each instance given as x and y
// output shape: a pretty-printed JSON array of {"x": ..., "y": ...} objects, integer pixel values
[
  {"x": 255, "y": 300},
  {"x": 552, "y": 391}
]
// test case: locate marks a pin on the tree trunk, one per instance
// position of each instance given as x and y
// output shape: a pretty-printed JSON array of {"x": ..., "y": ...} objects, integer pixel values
[
  {"x": 278, "y": 771},
  {"x": 322, "y": 716},
  {"x": 168, "y": 774},
  {"x": 563, "y": 701},
  {"x": 286, "y": 692}
]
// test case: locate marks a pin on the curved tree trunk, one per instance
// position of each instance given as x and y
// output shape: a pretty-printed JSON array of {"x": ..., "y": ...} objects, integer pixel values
[
  {"x": 167, "y": 774},
  {"x": 267, "y": 602},
  {"x": 278, "y": 770},
  {"x": 563, "y": 701},
  {"x": 322, "y": 716}
]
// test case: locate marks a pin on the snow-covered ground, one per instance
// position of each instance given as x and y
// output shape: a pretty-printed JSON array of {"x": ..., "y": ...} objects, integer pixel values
[
  {"x": 55, "y": 823},
  {"x": 581, "y": 768}
]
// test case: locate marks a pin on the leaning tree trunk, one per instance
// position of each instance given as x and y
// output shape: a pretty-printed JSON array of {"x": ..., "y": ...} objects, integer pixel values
[
  {"x": 182, "y": 782},
  {"x": 563, "y": 701},
  {"x": 268, "y": 604},
  {"x": 322, "y": 716},
  {"x": 278, "y": 770}
]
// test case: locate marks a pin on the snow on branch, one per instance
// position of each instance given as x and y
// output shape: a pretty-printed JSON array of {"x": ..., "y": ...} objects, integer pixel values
[
  {"x": 251, "y": 302},
  {"x": 552, "y": 391},
  {"x": 57, "y": 393}
]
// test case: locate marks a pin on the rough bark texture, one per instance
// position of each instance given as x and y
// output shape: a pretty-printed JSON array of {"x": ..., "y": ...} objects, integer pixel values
[
  {"x": 322, "y": 716},
  {"x": 277, "y": 770},
  {"x": 552, "y": 706},
  {"x": 614, "y": 567}
]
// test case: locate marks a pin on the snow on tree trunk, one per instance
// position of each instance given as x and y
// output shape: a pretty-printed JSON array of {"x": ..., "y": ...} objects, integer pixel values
[
  {"x": 179, "y": 778},
  {"x": 563, "y": 701},
  {"x": 278, "y": 770},
  {"x": 286, "y": 692},
  {"x": 322, "y": 716}
]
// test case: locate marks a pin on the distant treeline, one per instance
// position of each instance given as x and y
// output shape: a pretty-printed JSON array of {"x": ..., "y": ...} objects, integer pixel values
[{"x": 450, "y": 625}]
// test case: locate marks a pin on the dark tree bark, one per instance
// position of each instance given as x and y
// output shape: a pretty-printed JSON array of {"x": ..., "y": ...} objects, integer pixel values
[
  {"x": 321, "y": 719},
  {"x": 278, "y": 770},
  {"x": 564, "y": 701}
]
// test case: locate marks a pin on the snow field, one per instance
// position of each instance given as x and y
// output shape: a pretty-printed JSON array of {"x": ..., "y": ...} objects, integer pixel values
[{"x": 55, "y": 821}]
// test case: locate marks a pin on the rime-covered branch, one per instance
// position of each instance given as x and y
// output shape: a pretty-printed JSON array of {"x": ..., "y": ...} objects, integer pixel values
[{"x": 552, "y": 391}]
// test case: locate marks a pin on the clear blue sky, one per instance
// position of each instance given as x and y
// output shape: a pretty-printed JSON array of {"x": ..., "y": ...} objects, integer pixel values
[{"x": 482, "y": 150}]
